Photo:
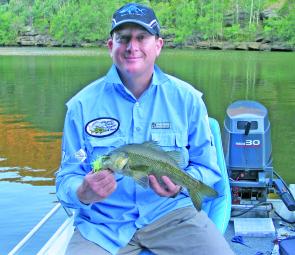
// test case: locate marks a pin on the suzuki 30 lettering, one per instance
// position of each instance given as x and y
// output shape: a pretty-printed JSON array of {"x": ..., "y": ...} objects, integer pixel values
[{"x": 248, "y": 143}]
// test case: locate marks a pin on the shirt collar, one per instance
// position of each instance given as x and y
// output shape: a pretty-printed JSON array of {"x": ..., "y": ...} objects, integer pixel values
[
  {"x": 113, "y": 76},
  {"x": 158, "y": 77}
]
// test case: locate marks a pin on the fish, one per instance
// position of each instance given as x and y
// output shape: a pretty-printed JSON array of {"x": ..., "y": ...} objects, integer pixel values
[{"x": 141, "y": 160}]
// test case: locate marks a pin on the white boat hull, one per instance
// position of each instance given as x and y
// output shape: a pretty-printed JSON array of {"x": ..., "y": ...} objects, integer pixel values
[{"x": 58, "y": 243}]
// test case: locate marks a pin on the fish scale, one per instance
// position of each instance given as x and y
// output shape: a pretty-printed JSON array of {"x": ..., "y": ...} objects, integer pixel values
[{"x": 157, "y": 167}]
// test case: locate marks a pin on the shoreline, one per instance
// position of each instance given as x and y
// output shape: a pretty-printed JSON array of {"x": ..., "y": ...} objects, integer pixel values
[
  {"x": 50, "y": 51},
  {"x": 99, "y": 50}
]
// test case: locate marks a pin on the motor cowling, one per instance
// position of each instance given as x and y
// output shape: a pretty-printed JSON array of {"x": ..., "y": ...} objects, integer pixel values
[
  {"x": 248, "y": 151},
  {"x": 247, "y": 138}
]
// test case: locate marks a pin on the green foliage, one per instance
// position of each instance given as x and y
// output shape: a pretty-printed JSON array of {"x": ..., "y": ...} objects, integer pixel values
[
  {"x": 8, "y": 21},
  {"x": 23, "y": 10},
  {"x": 177, "y": 14},
  {"x": 74, "y": 22},
  {"x": 43, "y": 12},
  {"x": 232, "y": 33},
  {"x": 90, "y": 23},
  {"x": 282, "y": 27},
  {"x": 237, "y": 34},
  {"x": 210, "y": 19}
]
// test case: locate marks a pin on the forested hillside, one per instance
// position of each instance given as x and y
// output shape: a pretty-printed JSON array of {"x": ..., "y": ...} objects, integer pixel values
[{"x": 184, "y": 22}]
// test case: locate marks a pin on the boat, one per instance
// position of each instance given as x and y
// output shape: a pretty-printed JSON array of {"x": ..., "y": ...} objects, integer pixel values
[
  {"x": 58, "y": 242},
  {"x": 244, "y": 118}
]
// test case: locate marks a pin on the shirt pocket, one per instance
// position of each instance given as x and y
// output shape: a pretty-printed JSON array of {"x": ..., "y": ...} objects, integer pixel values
[
  {"x": 171, "y": 141},
  {"x": 103, "y": 145}
]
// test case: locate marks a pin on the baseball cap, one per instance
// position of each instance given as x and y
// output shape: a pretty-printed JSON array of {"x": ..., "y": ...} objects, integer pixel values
[{"x": 138, "y": 14}]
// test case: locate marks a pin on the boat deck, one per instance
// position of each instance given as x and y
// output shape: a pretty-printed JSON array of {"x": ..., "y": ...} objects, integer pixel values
[{"x": 252, "y": 245}]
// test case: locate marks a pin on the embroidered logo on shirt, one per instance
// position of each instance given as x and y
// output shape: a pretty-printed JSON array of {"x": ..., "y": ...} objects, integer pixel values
[
  {"x": 102, "y": 127},
  {"x": 160, "y": 125}
]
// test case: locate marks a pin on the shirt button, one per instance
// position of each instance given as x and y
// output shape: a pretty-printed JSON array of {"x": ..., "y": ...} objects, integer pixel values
[
  {"x": 137, "y": 104},
  {"x": 138, "y": 129}
]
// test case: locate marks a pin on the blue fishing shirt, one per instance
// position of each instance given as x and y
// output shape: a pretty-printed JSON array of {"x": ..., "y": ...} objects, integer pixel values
[{"x": 105, "y": 115}]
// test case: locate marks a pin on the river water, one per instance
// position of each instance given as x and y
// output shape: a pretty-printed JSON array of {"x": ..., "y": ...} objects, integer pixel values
[{"x": 35, "y": 83}]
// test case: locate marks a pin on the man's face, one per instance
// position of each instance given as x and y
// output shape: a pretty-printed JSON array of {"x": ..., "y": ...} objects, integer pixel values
[{"x": 134, "y": 50}]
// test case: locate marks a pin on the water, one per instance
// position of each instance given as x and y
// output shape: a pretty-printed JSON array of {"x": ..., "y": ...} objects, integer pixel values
[{"x": 35, "y": 84}]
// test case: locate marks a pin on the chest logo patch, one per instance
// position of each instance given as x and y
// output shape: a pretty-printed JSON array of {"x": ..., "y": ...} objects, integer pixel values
[
  {"x": 102, "y": 127},
  {"x": 161, "y": 125}
]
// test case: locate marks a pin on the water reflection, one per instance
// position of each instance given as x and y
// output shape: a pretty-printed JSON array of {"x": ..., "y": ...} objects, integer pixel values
[
  {"x": 34, "y": 89},
  {"x": 27, "y": 154}
]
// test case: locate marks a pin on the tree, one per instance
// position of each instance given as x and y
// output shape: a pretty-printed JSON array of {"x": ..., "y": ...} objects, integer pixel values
[
  {"x": 43, "y": 12},
  {"x": 177, "y": 17},
  {"x": 8, "y": 33},
  {"x": 91, "y": 23},
  {"x": 282, "y": 27},
  {"x": 23, "y": 9},
  {"x": 210, "y": 19},
  {"x": 73, "y": 22}
]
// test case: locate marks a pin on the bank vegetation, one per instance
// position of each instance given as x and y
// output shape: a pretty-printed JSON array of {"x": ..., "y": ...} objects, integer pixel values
[{"x": 185, "y": 23}]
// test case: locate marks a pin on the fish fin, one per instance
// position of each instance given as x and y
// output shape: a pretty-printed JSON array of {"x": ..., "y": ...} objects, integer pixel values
[
  {"x": 199, "y": 192},
  {"x": 196, "y": 198},
  {"x": 141, "y": 177},
  {"x": 152, "y": 145},
  {"x": 176, "y": 156},
  {"x": 143, "y": 181},
  {"x": 207, "y": 191}
]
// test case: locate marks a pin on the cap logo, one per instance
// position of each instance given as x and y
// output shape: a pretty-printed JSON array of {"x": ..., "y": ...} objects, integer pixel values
[{"x": 129, "y": 10}]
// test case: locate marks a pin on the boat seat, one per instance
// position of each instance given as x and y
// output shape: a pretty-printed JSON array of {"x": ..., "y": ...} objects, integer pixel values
[{"x": 219, "y": 209}]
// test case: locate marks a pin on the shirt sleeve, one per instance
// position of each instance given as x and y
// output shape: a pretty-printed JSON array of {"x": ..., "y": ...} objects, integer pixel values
[
  {"x": 71, "y": 172},
  {"x": 202, "y": 153}
]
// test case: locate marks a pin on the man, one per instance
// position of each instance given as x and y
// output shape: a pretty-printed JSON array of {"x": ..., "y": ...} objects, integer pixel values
[{"x": 133, "y": 103}]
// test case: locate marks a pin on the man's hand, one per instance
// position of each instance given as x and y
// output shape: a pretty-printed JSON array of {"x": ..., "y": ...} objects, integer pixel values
[
  {"x": 169, "y": 189},
  {"x": 96, "y": 186}
]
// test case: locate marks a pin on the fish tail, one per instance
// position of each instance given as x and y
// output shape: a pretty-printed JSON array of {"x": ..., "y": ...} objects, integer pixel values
[{"x": 199, "y": 192}]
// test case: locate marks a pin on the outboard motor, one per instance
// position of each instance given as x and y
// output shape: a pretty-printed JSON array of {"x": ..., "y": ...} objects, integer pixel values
[
  {"x": 248, "y": 151},
  {"x": 248, "y": 156}
]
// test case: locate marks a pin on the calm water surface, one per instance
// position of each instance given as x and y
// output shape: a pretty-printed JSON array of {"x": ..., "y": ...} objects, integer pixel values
[{"x": 35, "y": 84}]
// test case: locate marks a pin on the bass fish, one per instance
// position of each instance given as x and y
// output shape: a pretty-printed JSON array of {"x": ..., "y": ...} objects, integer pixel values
[{"x": 141, "y": 160}]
